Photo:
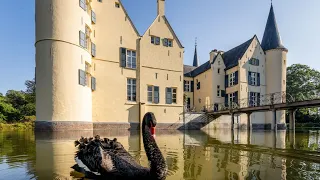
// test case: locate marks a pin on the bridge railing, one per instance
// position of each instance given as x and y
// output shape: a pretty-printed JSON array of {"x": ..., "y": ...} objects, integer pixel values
[{"x": 262, "y": 100}]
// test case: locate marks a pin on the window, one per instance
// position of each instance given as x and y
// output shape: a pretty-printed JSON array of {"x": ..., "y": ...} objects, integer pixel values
[
  {"x": 233, "y": 97},
  {"x": 170, "y": 43},
  {"x": 167, "y": 42},
  {"x": 99, "y": 0},
  {"x": 82, "y": 39},
  {"x": 254, "y": 99},
  {"x": 117, "y": 5},
  {"x": 254, "y": 78},
  {"x": 153, "y": 94},
  {"x": 93, "y": 17},
  {"x": 88, "y": 74},
  {"x": 156, "y": 75},
  {"x": 131, "y": 59},
  {"x": 232, "y": 78},
  {"x": 155, "y": 40},
  {"x": 187, "y": 86},
  {"x": 218, "y": 70},
  {"x": 150, "y": 92},
  {"x": 171, "y": 95},
  {"x": 254, "y": 61},
  {"x": 93, "y": 49},
  {"x": 131, "y": 89},
  {"x": 218, "y": 91},
  {"x": 174, "y": 95},
  {"x": 83, "y": 4}
]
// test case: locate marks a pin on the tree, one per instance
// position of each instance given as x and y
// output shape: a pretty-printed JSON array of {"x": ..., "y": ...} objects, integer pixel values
[
  {"x": 16, "y": 98},
  {"x": 31, "y": 91},
  {"x": 303, "y": 83}
]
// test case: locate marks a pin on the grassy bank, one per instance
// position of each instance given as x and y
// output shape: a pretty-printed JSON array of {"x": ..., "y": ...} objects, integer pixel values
[{"x": 26, "y": 123}]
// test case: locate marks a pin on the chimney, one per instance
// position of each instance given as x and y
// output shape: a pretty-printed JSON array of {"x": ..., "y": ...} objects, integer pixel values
[
  {"x": 161, "y": 7},
  {"x": 213, "y": 54}
]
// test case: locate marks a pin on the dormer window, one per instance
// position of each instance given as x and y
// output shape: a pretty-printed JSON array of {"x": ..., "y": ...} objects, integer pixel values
[
  {"x": 254, "y": 61},
  {"x": 167, "y": 42},
  {"x": 155, "y": 40},
  {"x": 117, "y": 5}
]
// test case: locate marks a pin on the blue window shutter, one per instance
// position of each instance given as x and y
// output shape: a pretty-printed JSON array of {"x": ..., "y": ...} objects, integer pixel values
[
  {"x": 123, "y": 57},
  {"x": 236, "y": 97},
  {"x": 93, "y": 83},
  {"x": 237, "y": 77},
  {"x": 184, "y": 85},
  {"x": 223, "y": 93},
  {"x": 226, "y": 100},
  {"x": 156, "y": 95},
  {"x": 82, "y": 77},
  {"x": 249, "y": 78},
  {"x": 226, "y": 81},
  {"x": 192, "y": 86},
  {"x": 258, "y": 79}
]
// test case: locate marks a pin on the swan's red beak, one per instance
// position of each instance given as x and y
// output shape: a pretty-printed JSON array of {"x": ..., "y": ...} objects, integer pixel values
[{"x": 153, "y": 130}]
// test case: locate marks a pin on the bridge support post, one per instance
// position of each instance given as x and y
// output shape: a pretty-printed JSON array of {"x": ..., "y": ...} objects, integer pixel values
[
  {"x": 292, "y": 119},
  {"x": 232, "y": 121},
  {"x": 249, "y": 123},
  {"x": 274, "y": 125}
]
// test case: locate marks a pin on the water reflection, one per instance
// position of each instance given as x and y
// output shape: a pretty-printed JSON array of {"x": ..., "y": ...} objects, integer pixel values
[{"x": 212, "y": 154}]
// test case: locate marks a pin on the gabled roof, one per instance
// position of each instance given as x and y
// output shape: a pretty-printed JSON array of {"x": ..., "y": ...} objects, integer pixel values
[
  {"x": 232, "y": 56},
  {"x": 125, "y": 11},
  {"x": 271, "y": 38},
  {"x": 187, "y": 70},
  {"x": 191, "y": 71},
  {"x": 170, "y": 28},
  {"x": 172, "y": 31}
]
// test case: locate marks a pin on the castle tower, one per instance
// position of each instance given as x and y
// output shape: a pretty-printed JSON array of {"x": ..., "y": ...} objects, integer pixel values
[
  {"x": 63, "y": 97},
  {"x": 276, "y": 57}
]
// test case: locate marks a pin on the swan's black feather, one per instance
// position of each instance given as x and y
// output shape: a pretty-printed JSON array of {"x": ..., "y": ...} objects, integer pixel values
[{"x": 107, "y": 158}]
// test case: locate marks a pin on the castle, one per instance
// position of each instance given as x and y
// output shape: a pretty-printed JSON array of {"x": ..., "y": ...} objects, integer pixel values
[{"x": 95, "y": 71}]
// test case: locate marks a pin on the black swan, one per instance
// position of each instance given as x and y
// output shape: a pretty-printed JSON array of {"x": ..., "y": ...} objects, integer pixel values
[{"x": 107, "y": 159}]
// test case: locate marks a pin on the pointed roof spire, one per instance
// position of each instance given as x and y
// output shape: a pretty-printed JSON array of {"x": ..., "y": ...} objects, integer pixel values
[
  {"x": 195, "y": 58},
  {"x": 271, "y": 38}
]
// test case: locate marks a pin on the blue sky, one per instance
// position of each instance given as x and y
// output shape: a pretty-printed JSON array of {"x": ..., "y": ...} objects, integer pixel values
[{"x": 217, "y": 24}]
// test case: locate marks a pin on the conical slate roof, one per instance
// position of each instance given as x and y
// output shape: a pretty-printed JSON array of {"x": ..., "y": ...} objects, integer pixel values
[
  {"x": 195, "y": 58},
  {"x": 271, "y": 38}
]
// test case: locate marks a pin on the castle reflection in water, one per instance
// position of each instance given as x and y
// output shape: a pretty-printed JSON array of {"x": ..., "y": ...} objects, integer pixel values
[{"x": 214, "y": 154}]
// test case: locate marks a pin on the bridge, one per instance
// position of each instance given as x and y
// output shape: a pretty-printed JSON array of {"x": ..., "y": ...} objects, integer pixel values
[{"x": 268, "y": 102}]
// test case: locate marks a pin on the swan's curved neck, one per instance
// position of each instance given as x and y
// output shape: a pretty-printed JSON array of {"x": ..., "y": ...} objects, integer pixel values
[{"x": 158, "y": 166}]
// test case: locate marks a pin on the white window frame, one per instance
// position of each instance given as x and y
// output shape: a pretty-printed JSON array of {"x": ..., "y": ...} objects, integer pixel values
[
  {"x": 254, "y": 78},
  {"x": 131, "y": 59},
  {"x": 150, "y": 92},
  {"x": 232, "y": 98},
  {"x": 253, "y": 97},
  {"x": 187, "y": 86},
  {"x": 232, "y": 79},
  {"x": 131, "y": 90}
]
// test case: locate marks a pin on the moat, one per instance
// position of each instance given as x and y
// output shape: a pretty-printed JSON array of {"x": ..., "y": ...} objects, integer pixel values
[{"x": 211, "y": 154}]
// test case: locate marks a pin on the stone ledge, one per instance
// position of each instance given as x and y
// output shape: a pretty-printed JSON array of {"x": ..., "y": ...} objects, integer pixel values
[{"x": 62, "y": 126}]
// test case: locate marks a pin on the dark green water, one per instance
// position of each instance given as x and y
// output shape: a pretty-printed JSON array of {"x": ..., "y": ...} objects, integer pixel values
[{"x": 190, "y": 155}]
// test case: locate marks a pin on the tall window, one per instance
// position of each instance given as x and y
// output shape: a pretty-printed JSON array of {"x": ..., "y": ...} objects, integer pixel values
[
  {"x": 82, "y": 39},
  {"x": 218, "y": 91},
  {"x": 83, "y": 4},
  {"x": 187, "y": 86},
  {"x": 93, "y": 49},
  {"x": 153, "y": 94},
  {"x": 88, "y": 73},
  {"x": 218, "y": 70},
  {"x": 131, "y": 89},
  {"x": 254, "y": 99},
  {"x": 254, "y": 78},
  {"x": 232, "y": 79},
  {"x": 233, "y": 97},
  {"x": 93, "y": 17},
  {"x": 171, "y": 95},
  {"x": 131, "y": 59}
]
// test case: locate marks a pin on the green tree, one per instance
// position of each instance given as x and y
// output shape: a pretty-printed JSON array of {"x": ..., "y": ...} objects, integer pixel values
[
  {"x": 30, "y": 91},
  {"x": 16, "y": 98},
  {"x": 303, "y": 83}
]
